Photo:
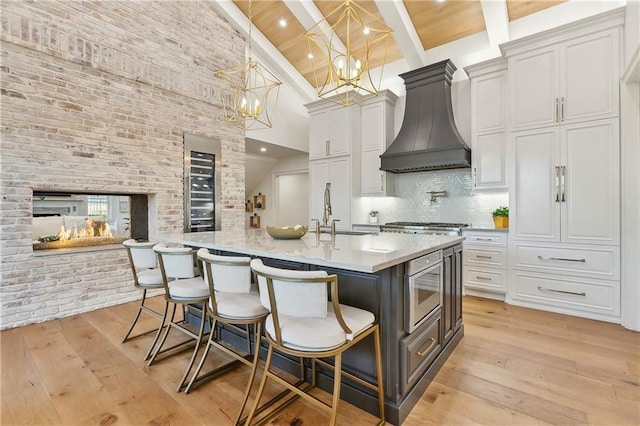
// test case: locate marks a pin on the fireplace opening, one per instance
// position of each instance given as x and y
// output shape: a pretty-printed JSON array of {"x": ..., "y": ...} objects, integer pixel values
[{"x": 72, "y": 219}]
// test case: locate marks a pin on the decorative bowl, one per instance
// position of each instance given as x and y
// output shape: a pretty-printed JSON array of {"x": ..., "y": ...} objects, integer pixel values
[{"x": 287, "y": 232}]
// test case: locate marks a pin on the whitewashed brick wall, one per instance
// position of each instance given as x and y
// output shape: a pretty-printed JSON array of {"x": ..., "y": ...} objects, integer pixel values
[{"x": 96, "y": 96}]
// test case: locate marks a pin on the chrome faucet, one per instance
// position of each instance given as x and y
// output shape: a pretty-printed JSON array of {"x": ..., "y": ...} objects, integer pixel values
[
  {"x": 327, "y": 204},
  {"x": 327, "y": 213}
]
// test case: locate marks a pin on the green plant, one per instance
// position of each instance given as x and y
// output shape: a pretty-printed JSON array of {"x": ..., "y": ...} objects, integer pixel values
[
  {"x": 501, "y": 211},
  {"x": 373, "y": 213}
]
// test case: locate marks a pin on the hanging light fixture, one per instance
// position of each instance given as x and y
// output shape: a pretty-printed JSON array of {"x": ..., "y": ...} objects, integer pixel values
[
  {"x": 251, "y": 95},
  {"x": 341, "y": 66}
]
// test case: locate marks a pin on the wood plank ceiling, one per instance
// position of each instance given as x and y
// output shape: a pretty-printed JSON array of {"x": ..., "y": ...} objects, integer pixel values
[{"x": 435, "y": 22}]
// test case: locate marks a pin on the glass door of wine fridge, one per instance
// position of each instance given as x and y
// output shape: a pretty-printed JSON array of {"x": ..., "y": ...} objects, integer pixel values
[{"x": 202, "y": 184}]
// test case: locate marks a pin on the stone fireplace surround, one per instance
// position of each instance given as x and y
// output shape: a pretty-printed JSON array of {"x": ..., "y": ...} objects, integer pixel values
[{"x": 80, "y": 114}]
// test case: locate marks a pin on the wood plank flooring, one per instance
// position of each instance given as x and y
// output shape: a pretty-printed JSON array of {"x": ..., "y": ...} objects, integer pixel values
[{"x": 514, "y": 366}]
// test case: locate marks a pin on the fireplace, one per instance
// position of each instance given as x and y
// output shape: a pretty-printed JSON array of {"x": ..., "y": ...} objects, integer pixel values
[{"x": 71, "y": 219}]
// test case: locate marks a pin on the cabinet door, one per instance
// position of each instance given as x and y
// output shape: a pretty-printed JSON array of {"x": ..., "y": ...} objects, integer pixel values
[
  {"x": 489, "y": 97},
  {"x": 590, "y": 157},
  {"x": 340, "y": 178},
  {"x": 337, "y": 172},
  {"x": 534, "y": 88},
  {"x": 589, "y": 77},
  {"x": 376, "y": 132},
  {"x": 318, "y": 177},
  {"x": 339, "y": 126},
  {"x": 535, "y": 190},
  {"x": 488, "y": 155},
  {"x": 319, "y": 134}
]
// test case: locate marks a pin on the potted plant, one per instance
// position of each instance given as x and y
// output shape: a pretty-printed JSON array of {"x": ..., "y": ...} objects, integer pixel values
[
  {"x": 373, "y": 216},
  {"x": 501, "y": 217}
]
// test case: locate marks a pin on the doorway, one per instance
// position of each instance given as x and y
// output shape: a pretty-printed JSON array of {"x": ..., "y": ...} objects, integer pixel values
[{"x": 291, "y": 198}]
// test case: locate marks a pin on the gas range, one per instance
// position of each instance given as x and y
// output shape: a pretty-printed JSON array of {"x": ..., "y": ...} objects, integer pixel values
[{"x": 437, "y": 228}]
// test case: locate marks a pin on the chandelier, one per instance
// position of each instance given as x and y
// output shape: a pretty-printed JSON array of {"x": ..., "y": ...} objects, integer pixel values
[
  {"x": 251, "y": 93},
  {"x": 341, "y": 65}
]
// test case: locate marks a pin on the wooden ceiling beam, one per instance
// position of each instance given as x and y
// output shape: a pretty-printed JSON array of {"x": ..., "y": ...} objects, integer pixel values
[
  {"x": 396, "y": 16},
  {"x": 496, "y": 19},
  {"x": 268, "y": 54}
]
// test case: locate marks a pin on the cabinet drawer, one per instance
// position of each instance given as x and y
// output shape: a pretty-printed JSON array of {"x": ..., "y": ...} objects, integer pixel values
[
  {"x": 601, "y": 263},
  {"x": 569, "y": 292},
  {"x": 485, "y": 238},
  {"x": 496, "y": 258},
  {"x": 492, "y": 280},
  {"x": 420, "y": 349}
]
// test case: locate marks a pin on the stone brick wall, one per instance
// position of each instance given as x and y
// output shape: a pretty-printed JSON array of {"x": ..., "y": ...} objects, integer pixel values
[{"x": 96, "y": 96}]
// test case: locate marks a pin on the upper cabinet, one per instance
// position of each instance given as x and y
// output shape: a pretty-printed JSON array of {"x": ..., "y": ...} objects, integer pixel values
[
  {"x": 564, "y": 82},
  {"x": 377, "y": 133},
  {"x": 330, "y": 129},
  {"x": 488, "y": 123}
]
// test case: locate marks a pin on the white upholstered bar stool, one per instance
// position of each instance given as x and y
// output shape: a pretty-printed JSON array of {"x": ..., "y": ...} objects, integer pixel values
[
  {"x": 184, "y": 287},
  {"x": 304, "y": 323},
  {"x": 234, "y": 302},
  {"x": 146, "y": 276}
]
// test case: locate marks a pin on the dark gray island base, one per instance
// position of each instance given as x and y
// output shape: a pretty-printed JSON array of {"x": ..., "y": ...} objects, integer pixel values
[{"x": 410, "y": 360}]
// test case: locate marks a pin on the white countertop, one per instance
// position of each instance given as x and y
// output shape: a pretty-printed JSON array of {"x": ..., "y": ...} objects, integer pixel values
[{"x": 364, "y": 253}]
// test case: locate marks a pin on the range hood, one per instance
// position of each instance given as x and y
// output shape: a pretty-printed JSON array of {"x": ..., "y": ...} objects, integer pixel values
[{"x": 428, "y": 138}]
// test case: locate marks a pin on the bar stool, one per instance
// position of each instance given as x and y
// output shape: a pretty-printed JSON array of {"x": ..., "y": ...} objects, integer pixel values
[
  {"x": 146, "y": 276},
  {"x": 183, "y": 286},
  {"x": 303, "y": 323},
  {"x": 234, "y": 302}
]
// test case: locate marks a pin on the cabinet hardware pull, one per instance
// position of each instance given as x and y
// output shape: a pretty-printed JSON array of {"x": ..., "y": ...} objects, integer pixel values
[
  {"x": 557, "y": 184},
  {"x": 575, "y": 293},
  {"x": 381, "y": 181},
  {"x": 562, "y": 185},
  {"x": 482, "y": 256},
  {"x": 484, "y": 239},
  {"x": 326, "y": 147},
  {"x": 426, "y": 351},
  {"x": 555, "y": 115},
  {"x": 483, "y": 278},
  {"x": 561, "y": 109},
  {"x": 563, "y": 259},
  {"x": 475, "y": 182}
]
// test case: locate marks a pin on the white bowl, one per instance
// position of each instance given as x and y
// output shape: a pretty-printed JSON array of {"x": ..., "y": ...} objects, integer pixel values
[{"x": 287, "y": 232}]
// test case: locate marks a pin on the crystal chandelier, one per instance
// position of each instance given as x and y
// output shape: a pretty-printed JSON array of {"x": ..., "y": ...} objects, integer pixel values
[
  {"x": 251, "y": 93},
  {"x": 341, "y": 65}
]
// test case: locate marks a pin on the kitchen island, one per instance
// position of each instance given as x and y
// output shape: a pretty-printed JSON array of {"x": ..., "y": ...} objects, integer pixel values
[{"x": 372, "y": 274}]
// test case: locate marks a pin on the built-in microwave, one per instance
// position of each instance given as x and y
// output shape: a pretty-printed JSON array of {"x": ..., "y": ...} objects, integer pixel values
[{"x": 423, "y": 289}]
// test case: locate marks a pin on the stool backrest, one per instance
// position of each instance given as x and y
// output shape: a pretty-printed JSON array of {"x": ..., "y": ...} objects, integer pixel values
[
  {"x": 295, "y": 293},
  {"x": 141, "y": 254},
  {"x": 231, "y": 274},
  {"x": 176, "y": 262}
]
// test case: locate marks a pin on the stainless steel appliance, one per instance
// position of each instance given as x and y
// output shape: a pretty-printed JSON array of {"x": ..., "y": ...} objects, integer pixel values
[
  {"x": 424, "y": 228},
  {"x": 423, "y": 289}
]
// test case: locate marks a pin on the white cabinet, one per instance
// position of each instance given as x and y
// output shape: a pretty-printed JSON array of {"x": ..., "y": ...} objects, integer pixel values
[
  {"x": 484, "y": 269},
  {"x": 336, "y": 171},
  {"x": 334, "y": 157},
  {"x": 566, "y": 184},
  {"x": 568, "y": 82},
  {"x": 376, "y": 134},
  {"x": 331, "y": 129},
  {"x": 488, "y": 123}
]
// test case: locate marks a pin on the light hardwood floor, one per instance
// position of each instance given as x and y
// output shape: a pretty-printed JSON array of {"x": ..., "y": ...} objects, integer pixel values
[{"x": 513, "y": 366}]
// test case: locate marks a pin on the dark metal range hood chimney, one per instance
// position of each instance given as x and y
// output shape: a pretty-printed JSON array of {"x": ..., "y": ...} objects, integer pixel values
[{"x": 428, "y": 138}]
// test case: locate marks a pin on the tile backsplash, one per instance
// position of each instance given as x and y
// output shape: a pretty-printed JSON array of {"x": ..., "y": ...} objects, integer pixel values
[{"x": 413, "y": 201}]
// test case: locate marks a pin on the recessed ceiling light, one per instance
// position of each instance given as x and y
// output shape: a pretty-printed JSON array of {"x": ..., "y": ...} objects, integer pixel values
[
  {"x": 263, "y": 149},
  {"x": 282, "y": 22},
  {"x": 366, "y": 31},
  {"x": 441, "y": 1},
  {"x": 310, "y": 56}
]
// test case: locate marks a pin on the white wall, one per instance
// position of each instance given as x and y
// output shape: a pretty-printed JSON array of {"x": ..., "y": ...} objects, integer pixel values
[{"x": 291, "y": 165}]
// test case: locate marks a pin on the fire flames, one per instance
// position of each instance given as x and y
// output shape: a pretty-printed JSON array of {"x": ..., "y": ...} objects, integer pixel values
[{"x": 90, "y": 230}]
